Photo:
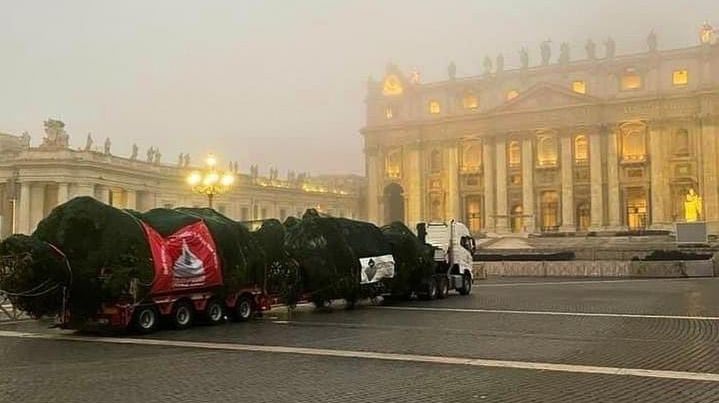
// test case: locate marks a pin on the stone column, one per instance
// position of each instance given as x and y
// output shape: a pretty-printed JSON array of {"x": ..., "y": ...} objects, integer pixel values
[
  {"x": 595, "y": 177},
  {"x": 22, "y": 212},
  {"x": 568, "y": 224},
  {"x": 103, "y": 194},
  {"x": 131, "y": 199},
  {"x": 501, "y": 219},
  {"x": 613, "y": 205},
  {"x": 453, "y": 207},
  {"x": 63, "y": 193},
  {"x": 373, "y": 183},
  {"x": 488, "y": 153},
  {"x": 37, "y": 204},
  {"x": 412, "y": 180},
  {"x": 709, "y": 185},
  {"x": 659, "y": 188},
  {"x": 84, "y": 189},
  {"x": 528, "y": 185}
]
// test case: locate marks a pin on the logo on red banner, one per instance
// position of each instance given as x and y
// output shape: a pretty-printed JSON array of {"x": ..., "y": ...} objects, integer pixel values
[{"x": 184, "y": 260}]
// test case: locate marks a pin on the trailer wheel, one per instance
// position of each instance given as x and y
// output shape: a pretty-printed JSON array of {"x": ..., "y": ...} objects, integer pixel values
[
  {"x": 442, "y": 288},
  {"x": 466, "y": 284},
  {"x": 182, "y": 315},
  {"x": 214, "y": 312},
  {"x": 431, "y": 291},
  {"x": 145, "y": 319},
  {"x": 243, "y": 309}
]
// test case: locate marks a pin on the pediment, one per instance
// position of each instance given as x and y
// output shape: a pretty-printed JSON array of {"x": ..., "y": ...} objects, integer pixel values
[{"x": 546, "y": 96}]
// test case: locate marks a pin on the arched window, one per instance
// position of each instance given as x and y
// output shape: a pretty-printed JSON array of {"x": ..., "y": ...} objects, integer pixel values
[
  {"x": 472, "y": 157},
  {"x": 394, "y": 164},
  {"x": 515, "y": 153},
  {"x": 547, "y": 150},
  {"x": 633, "y": 143},
  {"x": 581, "y": 148},
  {"x": 681, "y": 142},
  {"x": 434, "y": 107},
  {"x": 470, "y": 101},
  {"x": 435, "y": 161}
]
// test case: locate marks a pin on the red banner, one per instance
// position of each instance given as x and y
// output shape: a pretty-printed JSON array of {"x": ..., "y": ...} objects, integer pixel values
[{"x": 184, "y": 260}]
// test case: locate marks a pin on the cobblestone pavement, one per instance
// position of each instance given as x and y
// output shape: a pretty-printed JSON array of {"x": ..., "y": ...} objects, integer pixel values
[{"x": 525, "y": 321}]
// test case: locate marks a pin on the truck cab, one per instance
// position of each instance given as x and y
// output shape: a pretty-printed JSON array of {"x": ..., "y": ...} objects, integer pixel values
[{"x": 454, "y": 249}]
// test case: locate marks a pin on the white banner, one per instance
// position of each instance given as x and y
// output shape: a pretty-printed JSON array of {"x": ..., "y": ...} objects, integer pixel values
[{"x": 376, "y": 268}]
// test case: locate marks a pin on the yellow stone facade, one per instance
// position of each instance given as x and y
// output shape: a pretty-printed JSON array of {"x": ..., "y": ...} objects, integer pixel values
[{"x": 600, "y": 144}]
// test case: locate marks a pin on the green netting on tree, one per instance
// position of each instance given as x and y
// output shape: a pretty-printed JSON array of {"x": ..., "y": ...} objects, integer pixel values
[
  {"x": 413, "y": 259},
  {"x": 33, "y": 275},
  {"x": 106, "y": 248},
  {"x": 282, "y": 278}
]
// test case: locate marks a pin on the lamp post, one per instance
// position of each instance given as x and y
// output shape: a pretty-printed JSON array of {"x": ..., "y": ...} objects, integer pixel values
[{"x": 209, "y": 181}]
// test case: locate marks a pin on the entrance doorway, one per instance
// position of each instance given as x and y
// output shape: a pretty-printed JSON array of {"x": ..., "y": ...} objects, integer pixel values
[
  {"x": 549, "y": 210},
  {"x": 516, "y": 218},
  {"x": 584, "y": 216},
  {"x": 636, "y": 208},
  {"x": 473, "y": 213},
  {"x": 393, "y": 203}
]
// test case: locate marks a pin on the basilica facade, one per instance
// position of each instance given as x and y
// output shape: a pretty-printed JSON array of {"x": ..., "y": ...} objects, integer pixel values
[
  {"x": 605, "y": 142},
  {"x": 35, "y": 179}
]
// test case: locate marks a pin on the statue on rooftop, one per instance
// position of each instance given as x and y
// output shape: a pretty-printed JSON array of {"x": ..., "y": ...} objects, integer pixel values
[
  {"x": 135, "y": 150},
  {"x": 487, "y": 65},
  {"x": 500, "y": 63},
  {"x": 158, "y": 157},
  {"x": 25, "y": 140},
  {"x": 591, "y": 49},
  {"x": 611, "y": 48},
  {"x": 186, "y": 161},
  {"x": 546, "y": 51},
  {"x": 108, "y": 144},
  {"x": 55, "y": 135},
  {"x": 88, "y": 142},
  {"x": 236, "y": 167},
  {"x": 452, "y": 71},
  {"x": 564, "y": 53},
  {"x": 652, "y": 41},
  {"x": 181, "y": 160},
  {"x": 150, "y": 154},
  {"x": 524, "y": 58}
]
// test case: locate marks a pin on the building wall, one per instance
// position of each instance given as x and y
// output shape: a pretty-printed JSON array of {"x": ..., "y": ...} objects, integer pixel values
[
  {"x": 647, "y": 121},
  {"x": 35, "y": 180}
]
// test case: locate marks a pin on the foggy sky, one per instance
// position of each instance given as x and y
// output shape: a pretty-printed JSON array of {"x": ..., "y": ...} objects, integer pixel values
[{"x": 275, "y": 83}]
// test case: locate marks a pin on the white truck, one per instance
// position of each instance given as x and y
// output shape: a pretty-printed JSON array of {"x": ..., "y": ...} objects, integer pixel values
[{"x": 454, "y": 249}]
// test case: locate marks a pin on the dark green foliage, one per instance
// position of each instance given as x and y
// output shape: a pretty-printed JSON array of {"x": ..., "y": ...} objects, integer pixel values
[
  {"x": 414, "y": 261},
  {"x": 34, "y": 275},
  {"x": 106, "y": 247},
  {"x": 282, "y": 277}
]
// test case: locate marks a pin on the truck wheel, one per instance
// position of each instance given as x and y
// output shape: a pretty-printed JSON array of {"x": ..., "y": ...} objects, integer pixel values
[
  {"x": 214, "y": 312},
  {"x": 466, "y": 285},
  {"x": 243, "y": 309},
  {"x": 182, "y": 315},
  {"x": 431, "y": 292},
  {"x": 442, "y": 288},
  {"x": 145, "y": 319}
]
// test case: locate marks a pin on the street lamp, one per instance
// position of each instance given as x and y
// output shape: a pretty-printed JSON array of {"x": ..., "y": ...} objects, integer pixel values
[{"x": 209, "y": 181}]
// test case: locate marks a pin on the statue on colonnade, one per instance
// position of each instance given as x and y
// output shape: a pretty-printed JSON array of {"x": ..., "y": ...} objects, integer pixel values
[
  {"x": 611, "y": 48},
  {"x": 692, "y": 206},
  {"x": 546, "y": 51},
  {"x": 108, "y": 144},
  {"x": 591, "y": 49},
  {"x": 524, "y": 58},
  {"x": 135, "y": 150},
  {"x": 88, "y": 142}
]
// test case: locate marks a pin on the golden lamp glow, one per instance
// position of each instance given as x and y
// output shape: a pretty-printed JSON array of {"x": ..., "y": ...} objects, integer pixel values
[{"x": 210, "y": 182}]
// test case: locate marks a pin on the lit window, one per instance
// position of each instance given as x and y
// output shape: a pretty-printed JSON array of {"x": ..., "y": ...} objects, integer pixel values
[
  {"x": 434, "y": 107},
  {"x": 388, "y": 113},
  {"x": 470, "y": 102},
  {"x": 547, "y": 151},
  {"x": 392, "y": 85},
  {"x": 579, "y": 87},
  {"x": 631, "y": 80},
  {"x": 472, "y": 157},
  {"x": 515, "y": 153},
  {"x": 680, "y": 77},
  {"x": 581, "y": 149},
  {"x": 512, "y": 94},
  {"x": 633, "y": 143}
]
